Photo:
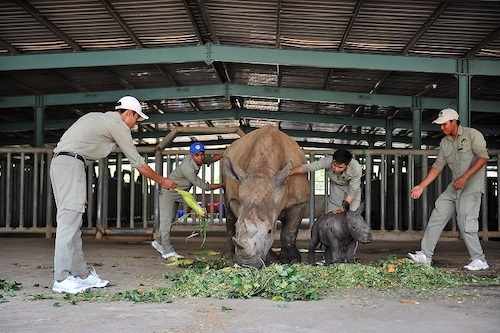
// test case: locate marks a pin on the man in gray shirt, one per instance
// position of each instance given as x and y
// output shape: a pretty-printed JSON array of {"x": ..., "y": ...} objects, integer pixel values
[
  {"x": 344, "y": 173},
  {"x": 463, "y": 149},
  {"x": 185, "y": 176},
  {"x": 91, "y": 137}
]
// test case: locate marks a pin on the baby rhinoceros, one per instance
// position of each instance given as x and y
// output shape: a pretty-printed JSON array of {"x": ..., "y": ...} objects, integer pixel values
[{"x": 339, "y": 231}]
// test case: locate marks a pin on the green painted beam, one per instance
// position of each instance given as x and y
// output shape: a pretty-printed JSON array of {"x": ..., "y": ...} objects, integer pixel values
[
  {"x": 306, "y": 118},
  {"x": 238, "y": 90},
  {"x": 299, "y": 134},
  {"x": 329, "y": 59},
  {"x": 180, "y": 54},
  {"x": 320, "y": 96},
  {"x": 239, "y": 54}
]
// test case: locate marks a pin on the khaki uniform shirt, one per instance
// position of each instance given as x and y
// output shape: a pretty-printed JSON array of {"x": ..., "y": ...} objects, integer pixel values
[
  {"x": 349, "y": 181},
  {"x": 460, "y": 154},
  {"x": 185, "y": 174},
  {"x": 95, "y": 135}
]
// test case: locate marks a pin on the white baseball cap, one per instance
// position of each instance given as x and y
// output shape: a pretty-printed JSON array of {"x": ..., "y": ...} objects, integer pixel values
[
  {"x": 131, "y": 103},
  {"x": 445, "y": 115}
]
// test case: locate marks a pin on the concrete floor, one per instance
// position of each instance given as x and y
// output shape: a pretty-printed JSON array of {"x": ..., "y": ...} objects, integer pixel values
[{"x": 131, "y": 262}]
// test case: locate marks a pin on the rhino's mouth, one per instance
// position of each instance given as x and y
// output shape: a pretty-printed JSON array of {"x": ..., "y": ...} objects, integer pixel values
[
  {"x": 365, "y": 240},
  {"x": 253, "y": 262}
]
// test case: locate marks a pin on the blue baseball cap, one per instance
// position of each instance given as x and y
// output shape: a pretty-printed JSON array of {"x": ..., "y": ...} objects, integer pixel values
[{"x": 196, "y": 148}]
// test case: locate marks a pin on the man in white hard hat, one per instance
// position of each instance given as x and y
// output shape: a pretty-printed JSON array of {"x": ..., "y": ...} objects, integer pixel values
[
  {"x": 463, "y": 149},
  {"x": 90, "y": 138}
]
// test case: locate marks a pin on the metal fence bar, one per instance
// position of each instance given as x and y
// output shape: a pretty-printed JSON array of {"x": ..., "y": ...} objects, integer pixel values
[
  {"x": 49, "y": 215},
  {"x": 21, "y": 199},
  {"x": 425, "y": 195},
  {"x": 36, "y": 192},
  {"x": 28, "y": 204},
  {"x": 368, "y": 188},
  {"x": 410, "y": 181},
  {"x": 119, "y": 190},
  {"x": 8, "y": 197},
  {"x": 397, "y": 196},
  {"x": 383, "y": 191}
]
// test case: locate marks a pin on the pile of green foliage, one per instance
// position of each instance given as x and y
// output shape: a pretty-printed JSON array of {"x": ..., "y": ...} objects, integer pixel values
[
  {"x": 299, "y": 281},
  {"x": 8, "y": 288}
]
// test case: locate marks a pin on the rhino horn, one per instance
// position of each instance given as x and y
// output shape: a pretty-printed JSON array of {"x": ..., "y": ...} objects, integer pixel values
[
  {"x": 238, "y": 245},
  {"x": 232, "y": 170}
]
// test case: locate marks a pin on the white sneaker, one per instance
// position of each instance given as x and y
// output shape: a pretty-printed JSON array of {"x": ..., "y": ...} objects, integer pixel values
[
  {"x": 172, "y": 254},
  {"x": 477, "y": 265},
  {"x": 70, "y": 285},
  {"x": 419, "y": 256},
  {"x": 158, "y": 247},
  {"x": 93, "y": 280}
]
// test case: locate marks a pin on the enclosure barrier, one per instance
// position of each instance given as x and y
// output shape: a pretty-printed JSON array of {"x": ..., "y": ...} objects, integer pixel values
[{"x": 123, "y": 202}]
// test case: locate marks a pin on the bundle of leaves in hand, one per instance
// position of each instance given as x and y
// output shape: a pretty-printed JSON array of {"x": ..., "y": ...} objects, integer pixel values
[
  {"x": 202, "y": 212},
  {"x": 191, "y": 202}
]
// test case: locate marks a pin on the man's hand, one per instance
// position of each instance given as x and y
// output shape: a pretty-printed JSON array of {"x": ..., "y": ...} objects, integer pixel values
[
  {"x": 460, "y": 183},
  {"x": 167, "y": 184},
  {"x": 338, "y": 211},
  {"x": 344, "y": 208},
  {"x": 416, "y": 192}
]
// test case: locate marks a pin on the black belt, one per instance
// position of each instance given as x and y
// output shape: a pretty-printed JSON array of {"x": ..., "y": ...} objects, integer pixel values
[{"x": 70, "y": 154}]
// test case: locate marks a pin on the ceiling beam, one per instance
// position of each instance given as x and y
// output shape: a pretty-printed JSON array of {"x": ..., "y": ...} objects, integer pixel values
[
  {"x": 237, "y": 114},
  {"x": 252, "y": 55},
  {"x": 228, "y": 90}
]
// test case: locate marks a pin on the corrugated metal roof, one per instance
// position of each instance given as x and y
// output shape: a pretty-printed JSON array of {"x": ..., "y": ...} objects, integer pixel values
[{"x": 458, "y": 29}]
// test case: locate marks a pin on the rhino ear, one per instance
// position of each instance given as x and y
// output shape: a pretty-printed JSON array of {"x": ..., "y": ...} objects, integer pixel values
[
  {"x": 232, "y": 171},
  {"x": 361, "y": 207},
  {"x": 282, "y": 175}
]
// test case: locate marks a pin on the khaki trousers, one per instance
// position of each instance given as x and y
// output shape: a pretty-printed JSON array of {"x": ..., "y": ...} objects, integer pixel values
[
  {"x": 169, "y": 204},
  {"x": 466, "y": 207},
  {"x": 68, "y": 179}
]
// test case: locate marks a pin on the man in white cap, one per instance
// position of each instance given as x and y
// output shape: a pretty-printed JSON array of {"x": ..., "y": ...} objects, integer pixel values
[
  {"x": 463, "y": 149},
  {"x": 185, "y": 175},
  {"x": 90, "y": 138}
]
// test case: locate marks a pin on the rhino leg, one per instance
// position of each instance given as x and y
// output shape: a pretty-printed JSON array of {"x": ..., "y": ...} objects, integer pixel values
[
  {"x": 290, "y": 221},
  {"x": 328, "y": 255},
  {"x": 228, "y": 250},
  {"x": 336, "y": 252},
  {"x": 351, "y": 251},
  {"x": 312, "y": 245}
]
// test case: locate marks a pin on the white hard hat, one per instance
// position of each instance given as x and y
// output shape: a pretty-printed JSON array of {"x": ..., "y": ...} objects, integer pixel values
[
  {"x": 445, "y": 115},
  {"x": 131, "y": 103}
]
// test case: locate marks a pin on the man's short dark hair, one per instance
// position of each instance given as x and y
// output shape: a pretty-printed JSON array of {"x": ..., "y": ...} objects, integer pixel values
[{"x": 342, "y": 156}]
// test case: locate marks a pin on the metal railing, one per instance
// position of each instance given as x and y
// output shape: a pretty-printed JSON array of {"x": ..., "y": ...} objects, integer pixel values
[{"x": 123, "y": 202}]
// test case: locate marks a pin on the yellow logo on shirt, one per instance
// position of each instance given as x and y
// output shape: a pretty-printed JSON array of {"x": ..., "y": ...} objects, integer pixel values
[{"x": 463, "y": 143}]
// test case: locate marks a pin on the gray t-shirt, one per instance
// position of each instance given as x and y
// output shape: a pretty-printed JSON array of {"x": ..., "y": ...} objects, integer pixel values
[
  {"x": 95, "y": 135},
  {"x": 347, "y": 183},
  {"x": 185, "y": 174},
  {"x": 460, "y": 154}
]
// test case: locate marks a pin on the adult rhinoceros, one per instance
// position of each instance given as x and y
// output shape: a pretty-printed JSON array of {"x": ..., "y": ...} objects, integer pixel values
[{"x": 258, "y": 193}]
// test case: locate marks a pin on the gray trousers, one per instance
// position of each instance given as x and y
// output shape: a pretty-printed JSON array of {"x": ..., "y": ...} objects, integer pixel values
[
  {"x": 68, "y": 179},
  {"x": 467, "y": 209},
  {"x": 169, "y": 205}
]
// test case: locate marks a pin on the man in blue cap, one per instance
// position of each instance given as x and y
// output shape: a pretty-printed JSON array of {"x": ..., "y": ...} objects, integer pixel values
[{"x": 185, "y": 176}]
